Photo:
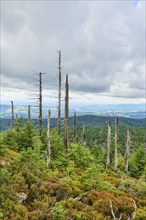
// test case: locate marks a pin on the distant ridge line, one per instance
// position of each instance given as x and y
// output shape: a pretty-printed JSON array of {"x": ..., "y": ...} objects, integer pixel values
[{"x": 87, "y": 120}]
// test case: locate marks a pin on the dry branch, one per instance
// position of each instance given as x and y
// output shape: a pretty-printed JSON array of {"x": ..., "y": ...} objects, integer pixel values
[{"x": 48, "y": 140}]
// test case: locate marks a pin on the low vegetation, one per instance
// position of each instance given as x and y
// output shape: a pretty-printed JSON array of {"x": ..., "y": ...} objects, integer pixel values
[{"x": 76, "y": 185}]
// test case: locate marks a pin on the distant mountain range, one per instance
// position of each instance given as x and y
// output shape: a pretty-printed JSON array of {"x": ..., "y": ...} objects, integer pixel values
[
  {"x": 87, "y": 120},
  {"x": 135, "y": 111}
]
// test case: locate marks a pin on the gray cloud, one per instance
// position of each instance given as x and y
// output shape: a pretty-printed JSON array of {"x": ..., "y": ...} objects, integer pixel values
[{"x": 102, "y": 45}]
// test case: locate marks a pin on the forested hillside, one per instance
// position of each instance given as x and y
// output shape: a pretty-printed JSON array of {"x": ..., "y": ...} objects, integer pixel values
[
  {"x": 76, "y": 184},
  {"x": 87, "y": 120}
]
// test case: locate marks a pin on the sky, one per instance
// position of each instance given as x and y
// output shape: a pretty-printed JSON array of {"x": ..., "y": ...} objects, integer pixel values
[{"x": 102, "y": 45}]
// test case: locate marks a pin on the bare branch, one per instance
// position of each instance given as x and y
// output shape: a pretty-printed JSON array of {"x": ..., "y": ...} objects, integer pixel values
[
  {"x": 112, "y": 211},
  {"x": 135, "y": 208}
]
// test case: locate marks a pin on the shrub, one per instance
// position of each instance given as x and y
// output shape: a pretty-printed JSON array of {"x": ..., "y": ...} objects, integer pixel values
[{"x": 58, "y": 212}]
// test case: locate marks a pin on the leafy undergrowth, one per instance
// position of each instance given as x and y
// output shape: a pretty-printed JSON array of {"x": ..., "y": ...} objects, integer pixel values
[{"x": 75, "y": 186}]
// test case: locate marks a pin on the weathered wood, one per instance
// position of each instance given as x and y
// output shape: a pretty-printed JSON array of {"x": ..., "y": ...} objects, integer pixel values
[
  {"x": 113, "y": 214},
  {"x": 66, "y": 138},
  {"x": 112, "y": 211},
  {"x": 127, "y": 151},
  {"x": 48, "y": 140},
  {"x": 131, "y": 216},
  {"x": 22, "y": 197},
  {"x": 108, "y": 143},
  {"x": 135, "y": 209},
  {"x": 59, "y": 96},
  {"x": 81, "y": 196},
  {"x": 40, "y": 104},
  {"x": 116, "y": 143}
]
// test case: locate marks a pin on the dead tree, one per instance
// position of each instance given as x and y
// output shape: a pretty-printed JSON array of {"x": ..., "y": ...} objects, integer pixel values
[
  {"x": 59, "y": 95},
  {"x": 131, "y": 216},
  {"x": 112, "y": 212},
  {"x": 12, "y": 111},
  {"x": 108, "y": 143},
  {"x": 40, "y": 104},
  {"x": 66, "y": 138},
  {"x": 75, "y": 128},
  {"x": 38, "y": 99},
  {"x": 116, "y": 143},
  {"x": 135, "y": 209},
  {"x": 84, "y": 136},
  {"x": 48, "y": 140},
  {"x": 127, "y": 151},
  {"x": 29, "y": 115}
]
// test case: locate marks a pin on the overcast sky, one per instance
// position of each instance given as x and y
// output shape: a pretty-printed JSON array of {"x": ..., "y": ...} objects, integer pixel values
[{"x": 102, "y": 44}]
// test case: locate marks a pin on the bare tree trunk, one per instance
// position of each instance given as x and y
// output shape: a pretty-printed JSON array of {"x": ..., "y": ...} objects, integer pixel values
[
  {"x": 112, "y": 211},
  {"x": 59, "y": 95},
  {"x": 127, "y": 151},
  {"x": 131, "y": 216},
  {"x": 116, "y": 143},
  {"x": 29, "y": 116},
  {"x": 40, "y": 104},
  {"x": 66, "y": 138},
  {"x": 135, "y": 209},
  {"x": 108, "y": 143},
  {"x": 12, "y": 109},
  {"x": 113, "y": 214},
  {"x": 84, "y": 136},
  {"x": 48, "y": 140},
  {"x": 75, "y": 128}
]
